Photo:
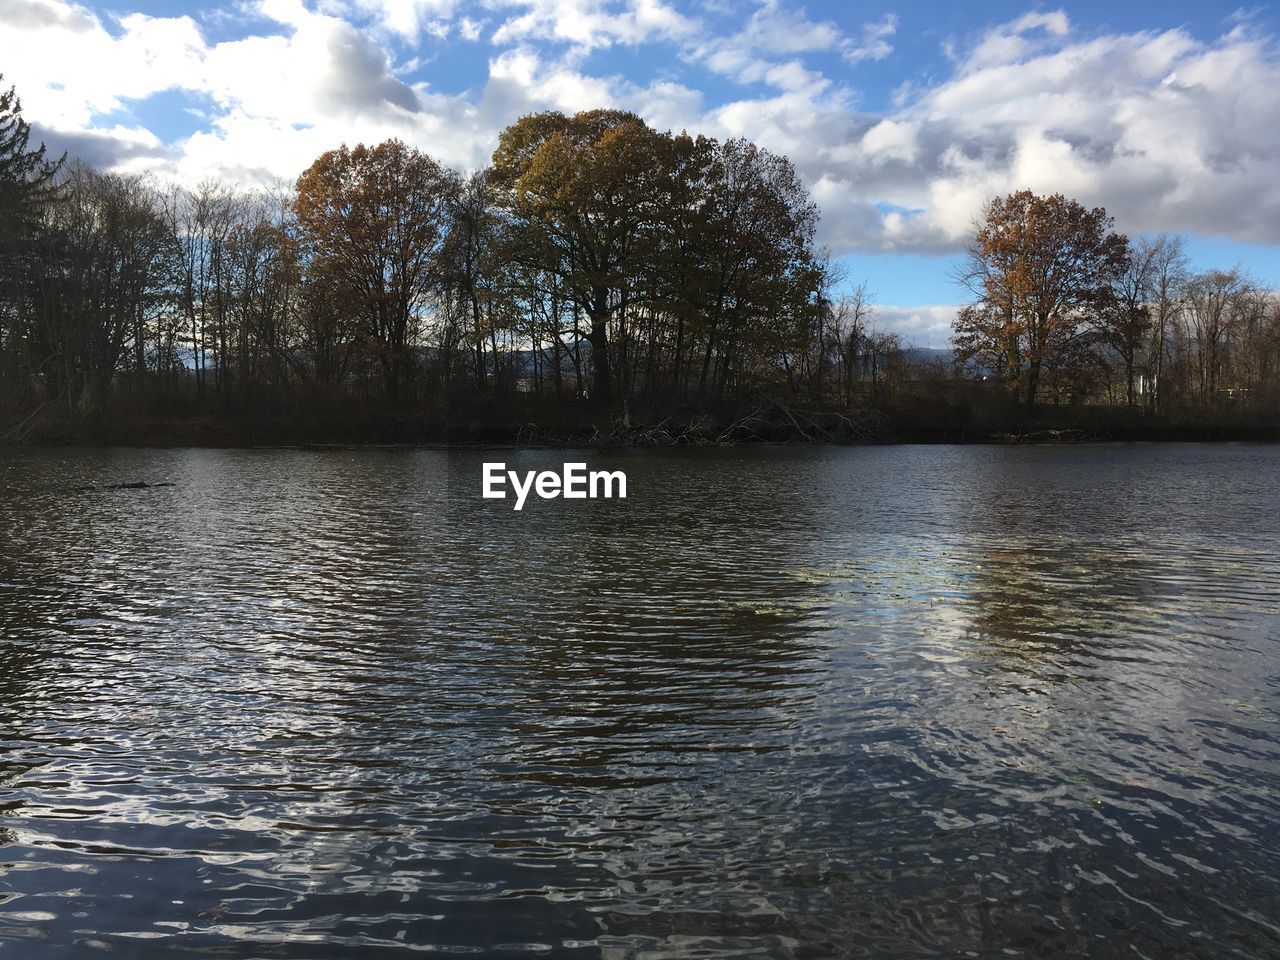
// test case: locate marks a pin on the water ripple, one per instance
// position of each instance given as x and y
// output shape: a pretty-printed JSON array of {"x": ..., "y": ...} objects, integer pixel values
[{"x": 780, "y": 703}]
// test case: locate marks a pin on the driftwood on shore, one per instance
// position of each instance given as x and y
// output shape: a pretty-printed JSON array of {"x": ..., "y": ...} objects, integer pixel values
[
  {"x": 769, "y": 421},
  {"x": 20, "y": 429},
  {"x": 823, "y": 426}
]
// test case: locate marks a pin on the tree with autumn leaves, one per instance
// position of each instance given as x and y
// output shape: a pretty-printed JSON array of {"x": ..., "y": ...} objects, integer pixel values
[
  {"x": 585, "y": 199},
  {"x": 659, "y": 252},
  {"x": 716, "y": 239},
  {"x": 373, "y": 222},
  {"x": 1044, "y": 272}
]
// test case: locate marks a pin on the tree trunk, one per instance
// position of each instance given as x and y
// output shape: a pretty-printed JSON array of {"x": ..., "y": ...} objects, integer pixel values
[
  {"x": 706, "y": 363},
  {"x": 602, "y": 380},
  {"x": 678, "y": 359}
]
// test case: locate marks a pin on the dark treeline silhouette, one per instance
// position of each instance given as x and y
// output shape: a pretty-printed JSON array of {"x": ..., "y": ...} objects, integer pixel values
[{"x": 599, "y": 281}]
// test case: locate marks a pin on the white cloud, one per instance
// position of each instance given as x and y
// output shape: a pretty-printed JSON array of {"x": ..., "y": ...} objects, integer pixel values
[
  {"x": 1018, "y": 39},
  {"x": 891, "y": 140},
  {"x": 874, "y": 44},
  {"x": 1096, "y": 119},
  {"x": 408, "y": 19},
  {"x": 927, "y": 326},
  {"x": 588, "y": 24},
  {"x": 279, "y": 99},
  {"x": 1167, "y": 130},
  {"x": 555, "y": 85},
  {"x": 68, "y": 67},
  {"x": 775, "y": 30}
]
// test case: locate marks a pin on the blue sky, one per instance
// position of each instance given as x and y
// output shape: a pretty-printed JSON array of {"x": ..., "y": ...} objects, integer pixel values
[{"x": 902, "y": 118}]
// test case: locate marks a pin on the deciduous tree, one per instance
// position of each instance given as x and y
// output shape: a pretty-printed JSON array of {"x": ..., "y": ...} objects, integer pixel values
[
  {"x": 587, "y": 194},
  {"x": 1041, "y": 268},
  {"x": 374, "y": 220}
]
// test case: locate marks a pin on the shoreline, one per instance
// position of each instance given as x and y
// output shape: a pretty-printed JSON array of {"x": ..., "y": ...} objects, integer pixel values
[
  {"x": 336, "y": 445},
  {"x": 514, "y": 425}
]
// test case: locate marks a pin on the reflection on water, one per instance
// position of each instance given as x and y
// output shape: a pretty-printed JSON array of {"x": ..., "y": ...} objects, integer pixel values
[{"x": 779, "y": 703}]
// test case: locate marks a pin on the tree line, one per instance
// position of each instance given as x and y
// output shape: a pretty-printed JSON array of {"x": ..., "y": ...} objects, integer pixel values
[
  {"x": 1066, "y": 309},
  {"x": 596, "y": 262},
  {"x": 595, "y": 258}
]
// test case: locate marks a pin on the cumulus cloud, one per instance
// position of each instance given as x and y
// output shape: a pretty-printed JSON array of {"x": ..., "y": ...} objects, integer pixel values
[
  {"x": 69, "y": 68},
  {"x": 751, "y": 54},
  {"x": 1017, "y": 39},
  {"x": 588, "y": 24},
  {"x": 928, "y": 327},
  {"x": 117, "y": 148},
  {"x": 35, "y": 15},
  {"x": 409, "y": 19},
  {"x": 874, "y": 43},
  {"x": 1168, "y": 130}
]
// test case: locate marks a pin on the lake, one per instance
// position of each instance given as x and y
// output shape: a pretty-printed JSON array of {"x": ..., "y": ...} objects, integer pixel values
[{"x": 779, "y": 702}]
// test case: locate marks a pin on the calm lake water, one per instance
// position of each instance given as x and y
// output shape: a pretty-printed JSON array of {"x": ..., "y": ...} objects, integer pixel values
[{"x": 781, "y": 702}]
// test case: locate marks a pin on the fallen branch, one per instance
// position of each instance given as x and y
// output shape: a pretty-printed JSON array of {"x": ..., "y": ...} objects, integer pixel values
[{"x": 20, "y": 430}]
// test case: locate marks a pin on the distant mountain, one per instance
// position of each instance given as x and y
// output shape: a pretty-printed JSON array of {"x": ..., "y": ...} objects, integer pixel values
[{"x": 930, "y": 354}]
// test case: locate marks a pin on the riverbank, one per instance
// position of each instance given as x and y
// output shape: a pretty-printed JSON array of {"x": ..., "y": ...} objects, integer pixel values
[{"x": 527, "y": 422}]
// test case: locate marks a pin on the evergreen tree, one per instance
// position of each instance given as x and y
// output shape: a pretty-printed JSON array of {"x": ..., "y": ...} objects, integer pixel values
[
  {"x": 27, "y": 180},
  {"x": 26, "y": 175}
]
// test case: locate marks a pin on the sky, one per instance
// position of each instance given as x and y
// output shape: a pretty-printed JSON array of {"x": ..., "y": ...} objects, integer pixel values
[{"x": 903, "y": 119}]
